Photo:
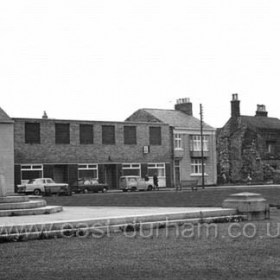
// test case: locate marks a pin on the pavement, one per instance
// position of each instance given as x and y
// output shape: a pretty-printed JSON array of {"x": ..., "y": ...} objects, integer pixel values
[{"x": 113, "y": 219}]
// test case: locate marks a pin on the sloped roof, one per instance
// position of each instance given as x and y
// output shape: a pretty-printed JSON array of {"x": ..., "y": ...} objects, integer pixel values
[
  {"x": 4, "y": 116},
  {"x": 261, "y": 122},
  {"x": 176, "y": 118}
]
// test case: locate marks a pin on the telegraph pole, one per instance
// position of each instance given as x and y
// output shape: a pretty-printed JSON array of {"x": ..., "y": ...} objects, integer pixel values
[{"x": 201, "y": 138}]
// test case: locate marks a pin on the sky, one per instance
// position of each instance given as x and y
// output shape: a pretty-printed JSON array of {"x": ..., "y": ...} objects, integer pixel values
[{"x": 103, "y": 60}]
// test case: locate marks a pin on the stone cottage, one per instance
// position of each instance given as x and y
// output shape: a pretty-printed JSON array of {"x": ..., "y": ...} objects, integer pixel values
[{"x": 248, "y": 146}]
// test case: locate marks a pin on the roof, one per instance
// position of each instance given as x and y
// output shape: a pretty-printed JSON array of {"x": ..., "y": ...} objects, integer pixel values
[
  {"x": 261, "y": 122},
  {"x": 176, "y": 118},
  {"x": 4, "y": 116}
]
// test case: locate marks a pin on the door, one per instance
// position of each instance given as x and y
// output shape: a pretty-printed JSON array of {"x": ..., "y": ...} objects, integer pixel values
[{"x": 111, "y": 175}]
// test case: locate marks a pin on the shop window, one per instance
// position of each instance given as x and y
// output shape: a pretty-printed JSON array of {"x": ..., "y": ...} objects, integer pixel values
[
  {"x": 131, "y": 169},
  {"x": 88, "y": 171},
  {"x": 156, "y": 168},
  {"x": 31, "y": 171}
]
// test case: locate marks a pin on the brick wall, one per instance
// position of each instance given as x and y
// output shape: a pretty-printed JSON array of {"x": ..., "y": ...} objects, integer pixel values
[
  {"x": 49, "y": 152},
  {"x": 7, "y": 156}
]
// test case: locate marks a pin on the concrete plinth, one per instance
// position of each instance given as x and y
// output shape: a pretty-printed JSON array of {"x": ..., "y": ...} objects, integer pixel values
[
  {"x": 251, "y": 204},
  {"x": 21, "y": 206}
]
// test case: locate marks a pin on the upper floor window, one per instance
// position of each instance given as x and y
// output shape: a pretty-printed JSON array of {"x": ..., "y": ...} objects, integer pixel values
[
  {"x": 108, "y": 134},
  {"x": 32, "y": 133},
  {"x": 270, "y": 146},
  {"x": 178, "y": 145},
  {"x": 155, "y": 135},
  {"x": 86, "y": 134},
  {"x": 62, "y": 133},
  {"x": 196, "y": 143},
  {"x": 129, "y": 135}
]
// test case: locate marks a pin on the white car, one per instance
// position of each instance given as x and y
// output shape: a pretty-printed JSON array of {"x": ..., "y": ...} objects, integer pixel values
[
  {"x": 134, "y": 183},
  {"x": 39, "y": 185}
]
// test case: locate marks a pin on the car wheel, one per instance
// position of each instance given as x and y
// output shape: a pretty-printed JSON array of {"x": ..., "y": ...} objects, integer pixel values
[
  {"x": 150, "y": 188},
  {"x": 104, "y": 190},
  {"x": 37, "y": 192}
]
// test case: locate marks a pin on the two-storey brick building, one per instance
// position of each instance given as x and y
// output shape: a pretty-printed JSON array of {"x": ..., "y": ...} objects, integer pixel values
[
  {"x": 6, "y": 154},
  {"x": 185, "y": 135},
  {"x": 248, "y": 145},
  {"x": 69, "y": 149}
]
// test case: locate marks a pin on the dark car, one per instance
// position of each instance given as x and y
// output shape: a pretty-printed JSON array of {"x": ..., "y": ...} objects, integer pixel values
[{"x": 84, "y": 185}]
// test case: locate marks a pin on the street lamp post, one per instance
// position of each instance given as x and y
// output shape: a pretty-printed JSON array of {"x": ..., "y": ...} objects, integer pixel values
[{"x": 201, "y": 138}]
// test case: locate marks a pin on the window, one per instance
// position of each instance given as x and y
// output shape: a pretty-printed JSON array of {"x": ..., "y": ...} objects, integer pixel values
[
  {"x": 156, "y": 168},
  {"x": 88, "y": 171},
  {"x": 32, "y": 133},
  {"x": 196, "y": 143},
  {"x": 155, "y": 135},
  {"x": 31, "y": 171},
  {"x": 178, "y": 145},
  {"x": 129, "y": 135},
  {"x": 86, "y": 134},
  {"x": 108, "y": 134},
  {"x": 131, "y": 169},
  {"x": 62, "y": 133},
  {"x": 196, "y": 166},
  {"x": 270, "y": 146}
]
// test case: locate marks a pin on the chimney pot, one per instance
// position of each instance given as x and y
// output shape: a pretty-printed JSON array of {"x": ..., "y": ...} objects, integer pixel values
[
  {"x": 261, "y": 111},
  {"x": 184, "y": 105},
  {"x": 45, "y": 116}
]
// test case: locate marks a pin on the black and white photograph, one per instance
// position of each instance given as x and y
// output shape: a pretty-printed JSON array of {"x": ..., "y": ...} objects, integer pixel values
[{"x": 139, "y": 139}]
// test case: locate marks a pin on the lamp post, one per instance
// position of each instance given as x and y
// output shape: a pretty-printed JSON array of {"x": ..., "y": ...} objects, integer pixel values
[{"x": 201, "y": 144}]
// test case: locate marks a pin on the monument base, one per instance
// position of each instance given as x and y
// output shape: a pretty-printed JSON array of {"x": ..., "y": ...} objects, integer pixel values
[
  {"x": 253, "y": 205},
  {"x": 21, "y": 206}
]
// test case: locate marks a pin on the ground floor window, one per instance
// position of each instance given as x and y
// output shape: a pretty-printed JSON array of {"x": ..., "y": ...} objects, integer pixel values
[
  {"x": 31, "y": 171},
  {"x": 131, "y": 169},
  {"x": 88, "y": 170},
  {"x": 196, "y": 166},
  {"x": 156, "y": 168}
]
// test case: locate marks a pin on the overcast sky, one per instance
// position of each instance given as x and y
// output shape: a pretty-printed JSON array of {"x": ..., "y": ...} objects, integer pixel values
[{"x": 103, "y": 60}]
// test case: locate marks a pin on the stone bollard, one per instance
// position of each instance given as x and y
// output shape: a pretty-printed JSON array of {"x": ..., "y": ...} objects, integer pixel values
[{"x": 251, "y": 204}]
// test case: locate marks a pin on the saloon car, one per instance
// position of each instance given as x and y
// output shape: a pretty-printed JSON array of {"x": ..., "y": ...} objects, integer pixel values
[
  {"x": 39, "y": 186},
  {"x": 84, "y": 185}
]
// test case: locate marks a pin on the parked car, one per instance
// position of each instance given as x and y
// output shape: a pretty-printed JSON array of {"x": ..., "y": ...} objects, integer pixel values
[
  {"x": 84, "y": 185},
  {"x": 38, "y": 186},
  {"x": 134, "y": 183}
]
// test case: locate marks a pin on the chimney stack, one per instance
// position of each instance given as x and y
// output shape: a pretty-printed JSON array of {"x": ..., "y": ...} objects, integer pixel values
[
  {"x": 45, "y": 116},
  {"x": 184, "y": 105},
  {"x": 261, "y": 111},
  {"x": 235, "y": 106}
]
